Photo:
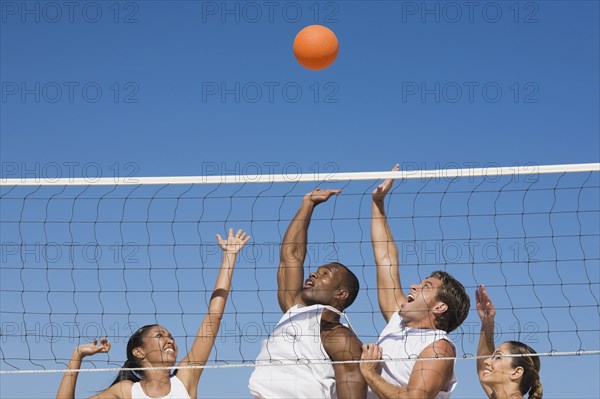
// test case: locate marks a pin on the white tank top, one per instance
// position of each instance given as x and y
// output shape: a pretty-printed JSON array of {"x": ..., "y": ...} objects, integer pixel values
[
  {"x": 295, "y": 340},
  {"x": 178, "y": 391},
  {"x": 397, "y": 341}
]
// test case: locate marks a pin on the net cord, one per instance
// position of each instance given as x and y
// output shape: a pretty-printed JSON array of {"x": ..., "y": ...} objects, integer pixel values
[
  {"x": 302, "y": 177},
  {"x": 280, "y": 364}
]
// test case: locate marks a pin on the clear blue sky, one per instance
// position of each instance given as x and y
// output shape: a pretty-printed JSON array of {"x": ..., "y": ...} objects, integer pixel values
[{"x": 157, "y": 88}]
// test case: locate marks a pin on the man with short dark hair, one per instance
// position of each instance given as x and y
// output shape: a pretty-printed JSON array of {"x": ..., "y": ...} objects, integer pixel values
[{"x": 295, "y": 361}]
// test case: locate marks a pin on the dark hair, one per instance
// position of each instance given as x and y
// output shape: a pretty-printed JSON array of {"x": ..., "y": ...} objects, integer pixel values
[
  {"x": 454, "y": 295},
  {"x": 132, "y": 362},
  {"x": 349, "y": 282},
  {"x": 530, "y": 382}
]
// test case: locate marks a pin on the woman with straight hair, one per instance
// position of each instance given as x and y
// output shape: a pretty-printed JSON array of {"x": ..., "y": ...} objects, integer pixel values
[
  {"x": 512, "y": 370},
  {"x": 152, "y": 346}
]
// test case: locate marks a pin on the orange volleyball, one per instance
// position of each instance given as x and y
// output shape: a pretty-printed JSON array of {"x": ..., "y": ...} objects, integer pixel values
[{"x": 316, "y": 47}]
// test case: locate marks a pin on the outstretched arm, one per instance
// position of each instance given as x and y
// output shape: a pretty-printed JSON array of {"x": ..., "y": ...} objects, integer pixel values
[
  {"x": 207, "y": 333},
  {"x": 389, "y": 289},
  {"x": 486, "y": 312},
  {"x": 290, "y": 275},
  {"x": 427, "y": 379},
  {"x": 66, "y": 390}
]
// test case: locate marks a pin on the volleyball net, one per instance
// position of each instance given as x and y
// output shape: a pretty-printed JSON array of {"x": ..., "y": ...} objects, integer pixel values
[{"x": 84, "y": 259}]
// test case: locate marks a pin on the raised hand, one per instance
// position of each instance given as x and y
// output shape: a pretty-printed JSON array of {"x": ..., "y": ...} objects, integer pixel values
[
  {"x": 380, "y": 192},
  {"x": 485, "y": 307},
  {"x": 93, "y": 347},
  {"x": 317, "y": 195},
  {"x": 234, "y": 243}
]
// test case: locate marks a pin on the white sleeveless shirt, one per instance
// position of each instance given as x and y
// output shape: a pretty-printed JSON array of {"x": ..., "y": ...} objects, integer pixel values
[
  {"x": 397, "y": 341},
  {"x": 295, "y": 340},
  {"x": 178, "y": 391}
]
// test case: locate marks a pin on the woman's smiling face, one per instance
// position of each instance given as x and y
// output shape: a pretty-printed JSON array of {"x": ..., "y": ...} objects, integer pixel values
[
  {"x": 159, "y": 346},
  {"x": 498, "y": 369}
]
